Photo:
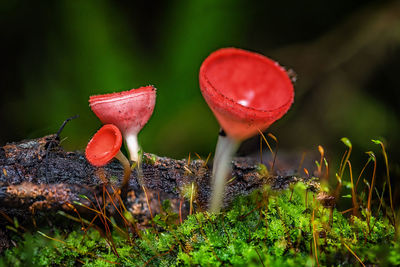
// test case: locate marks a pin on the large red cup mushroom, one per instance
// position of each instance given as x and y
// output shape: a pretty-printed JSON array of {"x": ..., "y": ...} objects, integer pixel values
[
  {"x": 104, "y": 146},
  {"x": 247, "y": 92},
  {"x": 128, "y": 110}
]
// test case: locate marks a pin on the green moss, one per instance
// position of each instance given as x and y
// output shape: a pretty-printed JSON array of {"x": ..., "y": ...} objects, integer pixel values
[
  {"x": 262, "y": 170},
  {"x": 266, "y": 227},
  {"x": 150, "y": 159}
]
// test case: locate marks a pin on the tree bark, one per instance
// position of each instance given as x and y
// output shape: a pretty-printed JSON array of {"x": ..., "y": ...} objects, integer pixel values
[{"x": 37, "y": 177}]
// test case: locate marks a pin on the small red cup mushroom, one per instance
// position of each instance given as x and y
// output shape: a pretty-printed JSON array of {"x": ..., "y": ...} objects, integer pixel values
[
  {"x": 104, "y": 146},
  {"x": 247, "y": 92},
  {"x": 128, "y": 110}
]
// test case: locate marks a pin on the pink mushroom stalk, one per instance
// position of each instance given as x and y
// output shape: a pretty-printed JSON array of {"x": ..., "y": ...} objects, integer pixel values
[
  {"x": 128, "y": 110},
  {"x": 247, "y": 92},
  {"x": 104, "y": 146}
]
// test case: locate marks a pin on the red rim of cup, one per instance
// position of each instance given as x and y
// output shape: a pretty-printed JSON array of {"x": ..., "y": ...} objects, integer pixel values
[{"x": 104, "y": 145}]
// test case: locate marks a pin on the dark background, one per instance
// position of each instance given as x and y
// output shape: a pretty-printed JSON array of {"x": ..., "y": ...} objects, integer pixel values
[{"x": 55, "y": 54}]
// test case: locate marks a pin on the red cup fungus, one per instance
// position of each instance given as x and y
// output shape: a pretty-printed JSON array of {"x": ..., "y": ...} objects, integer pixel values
[
  {"x": 247, "y": 92},
  {"x": 128, "y": 110},
  {"x": 104, "y": 146}
]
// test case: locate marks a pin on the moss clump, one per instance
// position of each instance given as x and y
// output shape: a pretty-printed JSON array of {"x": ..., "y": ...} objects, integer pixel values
[{"x": 286, "y": 228}]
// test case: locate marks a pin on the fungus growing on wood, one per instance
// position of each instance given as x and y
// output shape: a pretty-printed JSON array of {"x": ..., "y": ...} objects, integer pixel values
[
  {"x": 104, "y": 146},
  {"x": 247, "y": 92},
  {"x": 128, "y": 110}
]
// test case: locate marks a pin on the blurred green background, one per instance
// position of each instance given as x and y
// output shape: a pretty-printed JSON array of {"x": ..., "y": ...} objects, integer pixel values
[{"x": 55, "y": 54}]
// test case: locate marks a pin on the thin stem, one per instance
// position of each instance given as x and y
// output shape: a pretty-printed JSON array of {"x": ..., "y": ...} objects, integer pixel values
[
  {"x": 303, "y": 156},
  {"x": 191, "y": 200},
  {"x": 269, "y": 147},
  {"x": 265, "y": 140},
  {"x": 180, "y": 210},
  {"x": 371, "y": 189},
  {"x": 261, "y": 150},
  {"x": 314, "y": 236},
  {"x": 354, "y": 254},
  {"x": 222, "y": 142},
  {"x": 353, "y": 192},
  {"x": 341, "y": 162},
  {"x": 344, "y": 163},
  {"x": 226, "y": 148},
  {"x": 388, "y": 182},
  {"x": 362, "y": 171},
  {"x": 148, "y": 201},
  {"x": 322, "y": 152},
  {"x": 276, "y": 150},
  {"x": 370, "y": 197},
  {"x": 127, "y": 169}
]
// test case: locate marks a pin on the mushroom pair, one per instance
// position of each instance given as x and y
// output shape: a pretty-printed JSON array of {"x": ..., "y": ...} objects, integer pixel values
[
  {"x": 124, "y": 113},
  {"x": 247, "y": 92}
]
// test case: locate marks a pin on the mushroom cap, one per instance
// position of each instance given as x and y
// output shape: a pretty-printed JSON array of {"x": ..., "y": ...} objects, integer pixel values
[
  {"x": 128, "y": 110},
  {"x": 104, "y": 145},
  {"x": 246, "y": 91}
]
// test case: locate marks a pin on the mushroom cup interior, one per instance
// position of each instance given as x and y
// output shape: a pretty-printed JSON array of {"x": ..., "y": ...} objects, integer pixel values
[
  {"x": 250, "y": 80},
  {"x": 104, "y": 145}
]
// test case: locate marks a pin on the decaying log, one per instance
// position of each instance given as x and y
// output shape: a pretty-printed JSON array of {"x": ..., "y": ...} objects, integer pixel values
[{"x": 37, "y": 176}]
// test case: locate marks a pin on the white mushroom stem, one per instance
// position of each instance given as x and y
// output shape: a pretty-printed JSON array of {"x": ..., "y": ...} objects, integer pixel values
[
  {"x": 133, "y": 147},
  {"x": 226, "y": 148},
  {"x": 222, "y": 142}
]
